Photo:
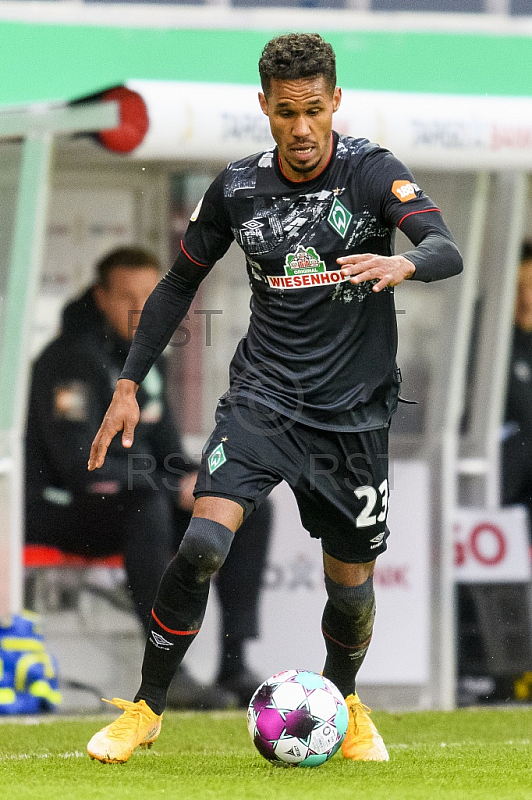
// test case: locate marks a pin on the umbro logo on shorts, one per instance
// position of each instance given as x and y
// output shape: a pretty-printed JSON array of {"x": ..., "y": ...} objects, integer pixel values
[
  {"x": 159, "y": 641},
  {"x": 377, "y": 540}
]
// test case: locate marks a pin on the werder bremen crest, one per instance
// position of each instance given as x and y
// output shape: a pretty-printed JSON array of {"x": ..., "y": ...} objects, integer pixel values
[
  {"x": 216, "y": 458},
  {"x": 305, "y": 261},
  {"x": 339, "y": 218}
]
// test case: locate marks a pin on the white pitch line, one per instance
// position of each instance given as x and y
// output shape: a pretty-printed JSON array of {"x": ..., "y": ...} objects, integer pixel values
[{"x": 28, "y": 756}]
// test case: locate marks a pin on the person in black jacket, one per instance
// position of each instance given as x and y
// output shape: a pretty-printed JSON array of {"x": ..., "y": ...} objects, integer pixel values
[
  {"x": 140, "y": 504},
  {"x": 516, "y": 466}
]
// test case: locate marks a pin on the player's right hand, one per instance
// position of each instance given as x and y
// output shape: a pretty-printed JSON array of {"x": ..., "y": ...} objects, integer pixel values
[{"x": 122, "y": 415}]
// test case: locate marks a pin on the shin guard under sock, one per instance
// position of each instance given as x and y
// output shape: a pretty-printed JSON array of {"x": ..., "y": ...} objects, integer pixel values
[
  {"x": 176, "y": 619},
  {"x": 180, "y": 606},
  {"x": 347, "y": 626}
]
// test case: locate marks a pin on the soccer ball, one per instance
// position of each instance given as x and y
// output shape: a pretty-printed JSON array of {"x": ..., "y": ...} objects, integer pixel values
[{"x": 298, "y": 718}]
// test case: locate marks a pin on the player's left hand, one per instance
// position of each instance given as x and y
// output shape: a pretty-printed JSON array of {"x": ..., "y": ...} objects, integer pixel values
[{"x": 386, "y": 270}]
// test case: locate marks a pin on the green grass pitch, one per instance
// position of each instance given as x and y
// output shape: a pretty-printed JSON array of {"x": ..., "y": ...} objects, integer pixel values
[{"x": 467, "y": 754}]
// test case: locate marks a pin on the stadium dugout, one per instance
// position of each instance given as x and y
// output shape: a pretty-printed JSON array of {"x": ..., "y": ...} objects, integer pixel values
[{"x": 70, "y": 136}]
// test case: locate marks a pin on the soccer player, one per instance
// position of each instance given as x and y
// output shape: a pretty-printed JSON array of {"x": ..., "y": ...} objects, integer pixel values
[{"x": 313, "y": 384}]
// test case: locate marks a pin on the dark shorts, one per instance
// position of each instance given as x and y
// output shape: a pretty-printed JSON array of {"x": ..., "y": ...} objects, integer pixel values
[{"x": 340, "y": 480}]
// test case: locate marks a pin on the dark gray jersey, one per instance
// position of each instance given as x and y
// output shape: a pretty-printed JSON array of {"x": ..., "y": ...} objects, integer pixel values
[
  {"x": 318, "y": 348},
  {"x": 317, "y": 345}
]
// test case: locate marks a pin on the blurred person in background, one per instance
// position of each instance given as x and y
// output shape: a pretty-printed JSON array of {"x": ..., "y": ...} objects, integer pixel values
[
  {"x": 516, "y": 462},
  {"x": 516, "y": 451},
  {"x": 478, "y": 682},
  {"x": 140, "y": 503}
]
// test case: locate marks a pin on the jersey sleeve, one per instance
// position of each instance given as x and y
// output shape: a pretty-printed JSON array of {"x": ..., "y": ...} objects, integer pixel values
[
  {"x": 394, "y": 197},
  {"x": 391, "y": 190},
  {"x": 206, "y": 240},
  {"x": 209, "y": 233}
]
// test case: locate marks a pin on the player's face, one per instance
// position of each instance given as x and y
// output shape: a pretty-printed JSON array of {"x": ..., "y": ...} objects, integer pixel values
[
  {"x": 122, "y": 300},
  {"x": 523, "y": 299},
  {"x": 300, "y": 114}
]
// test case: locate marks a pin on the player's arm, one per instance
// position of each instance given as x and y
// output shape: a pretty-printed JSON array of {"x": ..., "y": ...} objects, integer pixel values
[
  {"x": 207, "y": 238},
  {"x": 164, "y": 310},
  {"x": 396, "y": 199}
]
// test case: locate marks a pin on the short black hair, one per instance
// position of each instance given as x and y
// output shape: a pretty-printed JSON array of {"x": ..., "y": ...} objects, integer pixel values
[
  {"x": 132, "y": 257},
  {"x": 526, "y": 250},
  {"x": 297, "y": 55}
]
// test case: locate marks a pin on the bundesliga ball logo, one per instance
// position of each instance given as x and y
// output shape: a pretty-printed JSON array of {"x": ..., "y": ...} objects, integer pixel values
[{"x": 297, "y": 718}]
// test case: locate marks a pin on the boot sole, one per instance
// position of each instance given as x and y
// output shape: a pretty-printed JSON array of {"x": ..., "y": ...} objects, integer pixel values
[{"x": 106, "y": 760}]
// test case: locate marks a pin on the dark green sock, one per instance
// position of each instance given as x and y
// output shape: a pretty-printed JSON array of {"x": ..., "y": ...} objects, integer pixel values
[{"x": 347, "y": 626}]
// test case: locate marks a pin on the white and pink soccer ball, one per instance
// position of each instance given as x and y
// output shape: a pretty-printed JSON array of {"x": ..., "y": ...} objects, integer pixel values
[{"x": 297, "y": 717}]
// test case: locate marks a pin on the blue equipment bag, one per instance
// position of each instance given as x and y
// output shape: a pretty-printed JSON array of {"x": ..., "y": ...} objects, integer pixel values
[{"x": 28, "y": 674}]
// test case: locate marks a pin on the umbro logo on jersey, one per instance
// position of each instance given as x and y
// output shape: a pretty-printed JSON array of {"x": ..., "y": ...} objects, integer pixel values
[
  {"x": 252, "y": 224},
  {"x": 377, "y": 540},
  {"x": 159, "y": 641},
  {"x": 339, "y": 218}
]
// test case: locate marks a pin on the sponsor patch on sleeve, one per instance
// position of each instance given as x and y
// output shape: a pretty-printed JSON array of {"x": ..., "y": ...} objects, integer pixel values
[
  {"x": 195, "y": 213},
  {"x": 405, "y": 190}
]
